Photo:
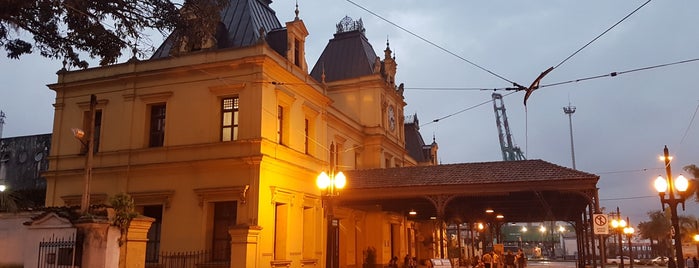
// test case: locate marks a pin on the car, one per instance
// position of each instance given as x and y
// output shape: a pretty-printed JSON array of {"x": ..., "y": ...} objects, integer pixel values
[
  {"x": 626, "y": 260},
  {"x": 662, "y": 261}
]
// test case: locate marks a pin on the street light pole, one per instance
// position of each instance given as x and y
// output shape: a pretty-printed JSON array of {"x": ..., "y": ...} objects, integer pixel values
[
  {"x": 618, "y": 224},
  {"x": 333, "y": 183},
  {"x": 89, "y": 142},
  {"x": 629, "y": 233},
  {"x": 667, "y": 184}
]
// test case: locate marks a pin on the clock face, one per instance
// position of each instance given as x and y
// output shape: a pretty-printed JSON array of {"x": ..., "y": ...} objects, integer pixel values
[{"x": 391, "y": 118}]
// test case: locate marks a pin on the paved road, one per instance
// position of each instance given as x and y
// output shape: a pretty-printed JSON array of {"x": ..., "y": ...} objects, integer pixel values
[{"x": 570, "y": 264}]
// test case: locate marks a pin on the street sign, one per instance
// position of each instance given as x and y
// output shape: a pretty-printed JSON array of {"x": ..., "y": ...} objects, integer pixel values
[{"x": 600, "y": 224}]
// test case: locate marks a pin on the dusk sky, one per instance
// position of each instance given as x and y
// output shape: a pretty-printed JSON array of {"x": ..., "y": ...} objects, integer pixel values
[{"x": 621, "y": 123}]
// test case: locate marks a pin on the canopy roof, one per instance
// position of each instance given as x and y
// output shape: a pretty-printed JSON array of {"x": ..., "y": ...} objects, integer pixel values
[{"x": 521, "y": 191}]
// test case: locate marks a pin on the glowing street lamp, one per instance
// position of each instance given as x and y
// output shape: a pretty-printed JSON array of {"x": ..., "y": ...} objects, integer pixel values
[
  {"x": 332, "y": 184},
  {"x": 666, "y": 186},
  {"x": 628, "y": 231},
  {"x": 619, "y": 224}
]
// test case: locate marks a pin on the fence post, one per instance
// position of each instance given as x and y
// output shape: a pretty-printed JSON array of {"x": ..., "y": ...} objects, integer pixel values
[
  {"x": 100, "y": 242},
  {"x": 134, "y": 248},
  {"x": 244, "y": 245}
]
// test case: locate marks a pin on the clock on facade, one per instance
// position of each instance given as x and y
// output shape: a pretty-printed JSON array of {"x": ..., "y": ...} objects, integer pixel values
[{"x": 391, "y": 118}]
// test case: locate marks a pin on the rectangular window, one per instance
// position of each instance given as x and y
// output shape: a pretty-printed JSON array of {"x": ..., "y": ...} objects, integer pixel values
[
  {"x": 86, "y": 128},
  {"x": 280, "y": 124},
  {"x": 153, "y": 244},
  {"x": 229, "y": 119},
  {"x": 157, "y": 125},
  {"x": 297, "y": 52},
  {"x": 224, "y": 218},
  {"x": 280, "y": 231},
  {"x": 309, "y": 231},
  {"x": 306, "y": 132}
]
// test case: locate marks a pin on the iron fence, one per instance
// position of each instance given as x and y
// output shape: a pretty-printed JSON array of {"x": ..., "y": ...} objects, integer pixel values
[
  {"x": 59, "y": 252},
  {"x": 191, "y": 259}
]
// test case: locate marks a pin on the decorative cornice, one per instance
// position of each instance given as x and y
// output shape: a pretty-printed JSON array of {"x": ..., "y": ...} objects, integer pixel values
[
  {"x": 74, "y": 200},
  {"x": 156, "y": 97},
  {"x": 222, "y": 193},
  {"x": 230, "y": 89},
  {"x": 153, "y": 197}
]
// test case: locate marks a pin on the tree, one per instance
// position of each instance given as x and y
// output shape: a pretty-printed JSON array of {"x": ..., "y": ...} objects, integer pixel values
[
  {"x": 657, "y": 229},
  {"x": 63, "y": 29},
  {"x": 693, "y": 183}
]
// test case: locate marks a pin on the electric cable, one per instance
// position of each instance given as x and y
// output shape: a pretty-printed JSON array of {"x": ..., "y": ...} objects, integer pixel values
[
  {"x": 463, "y": 110},
  {"x": 600, "y": 35},
  {"x": 432, "y": 43}
]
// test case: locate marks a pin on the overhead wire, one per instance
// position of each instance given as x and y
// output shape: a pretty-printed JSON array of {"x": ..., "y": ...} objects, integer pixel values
[
  {"x": 600, "y": 35},
  {"x": 432, "y": 43},
  {"x": 463, "y": 110},
  {"x": 686, "y": 131}
]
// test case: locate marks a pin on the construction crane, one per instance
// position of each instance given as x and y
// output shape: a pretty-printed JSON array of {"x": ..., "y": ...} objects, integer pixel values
[{"x": 510, "y": 152}]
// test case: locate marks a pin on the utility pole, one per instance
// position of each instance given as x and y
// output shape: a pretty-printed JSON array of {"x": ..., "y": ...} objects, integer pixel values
[
  {"x": 570, "y": 110},
  {"x": 2, "y": 122}
]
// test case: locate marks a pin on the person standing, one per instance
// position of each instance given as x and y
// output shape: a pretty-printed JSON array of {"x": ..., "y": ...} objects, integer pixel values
[
  {"x": 509, "y": 259},
  {"x": 497, "y": 261},
  {"x": 689, "y": 263},
  {"x": 521, "y": 259},
  {"x": 487, "y": 260}
]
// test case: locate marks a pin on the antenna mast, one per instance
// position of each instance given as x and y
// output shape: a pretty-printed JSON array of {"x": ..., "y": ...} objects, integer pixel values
[
  {"x": 510, "y": 152},
  {"x": 2, "y": 122}
]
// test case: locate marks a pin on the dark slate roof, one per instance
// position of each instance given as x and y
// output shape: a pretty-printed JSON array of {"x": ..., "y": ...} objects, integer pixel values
[
  {"x": 464, "y": 174},
  {"x": 347, "y": 55},
  {"x": 240, "y": 23},
  {"x": 414, "y": 143}
]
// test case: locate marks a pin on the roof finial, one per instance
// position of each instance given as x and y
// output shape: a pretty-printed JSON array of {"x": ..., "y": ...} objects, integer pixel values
[
  {"x": 297, "y": 10},
  {"x": 387, "y": 46},
  {"x": 322, "y": 75}
]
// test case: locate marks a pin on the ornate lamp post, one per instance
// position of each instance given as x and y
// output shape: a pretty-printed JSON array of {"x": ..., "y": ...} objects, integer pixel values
[
  {"x": 628, "y": 231},
  {"x": 619, "y": 225},
  {"x": 679, "y": 186},
  {"x": 332, "y": 184}
]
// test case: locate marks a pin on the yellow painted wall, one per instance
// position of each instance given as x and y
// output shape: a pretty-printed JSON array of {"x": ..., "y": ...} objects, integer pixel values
[{"x": 194, "y": 169}]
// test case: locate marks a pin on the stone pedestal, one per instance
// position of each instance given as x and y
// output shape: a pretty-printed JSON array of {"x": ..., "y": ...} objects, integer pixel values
[
  {"x": 133, "y": 250},
  {"x": 244, "y": 245},
  {"x": 100, "y": 242}
]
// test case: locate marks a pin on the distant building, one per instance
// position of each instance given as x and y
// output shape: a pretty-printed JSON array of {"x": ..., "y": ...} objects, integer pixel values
[{"x": 22, "y": 161}]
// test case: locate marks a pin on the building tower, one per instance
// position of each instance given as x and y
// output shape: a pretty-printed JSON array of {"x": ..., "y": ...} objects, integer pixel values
[{"x": 569, "y": 110}]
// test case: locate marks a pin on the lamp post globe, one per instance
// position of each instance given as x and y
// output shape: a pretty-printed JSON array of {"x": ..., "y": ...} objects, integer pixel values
[
  {"x": 330, "y": 185},
  {"x": 672, "y": 192}
]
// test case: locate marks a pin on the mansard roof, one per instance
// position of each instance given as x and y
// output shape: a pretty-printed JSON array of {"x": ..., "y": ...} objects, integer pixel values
[
  {"x": 241, "y": 21},
  {"x": 414, "y": 143},
  {"x": 348, "y": 55}
]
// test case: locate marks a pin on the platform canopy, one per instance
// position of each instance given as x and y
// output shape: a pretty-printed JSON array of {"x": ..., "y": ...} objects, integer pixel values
[{"x": 520, "y": 191}]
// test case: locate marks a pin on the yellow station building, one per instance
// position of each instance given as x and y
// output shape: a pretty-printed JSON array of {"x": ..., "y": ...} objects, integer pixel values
[{"x": 221, "y": 139}]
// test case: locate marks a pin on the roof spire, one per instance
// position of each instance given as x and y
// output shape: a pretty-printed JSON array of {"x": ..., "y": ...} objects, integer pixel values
[{"x": 297, "y": 10}]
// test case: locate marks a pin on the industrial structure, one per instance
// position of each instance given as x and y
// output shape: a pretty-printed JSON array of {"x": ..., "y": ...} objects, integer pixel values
[{"x": 510, "y": 152}]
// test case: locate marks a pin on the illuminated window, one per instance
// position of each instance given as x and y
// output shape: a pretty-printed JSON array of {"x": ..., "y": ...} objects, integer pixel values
[{"x": 229, "y": 119}]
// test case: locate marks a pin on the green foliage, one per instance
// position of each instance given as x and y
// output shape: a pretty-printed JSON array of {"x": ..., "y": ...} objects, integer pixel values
[
  {"x": 123, "y": 209},
  {"x": 657, "y": 229},
  {"x": 65, "y": 29}
]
